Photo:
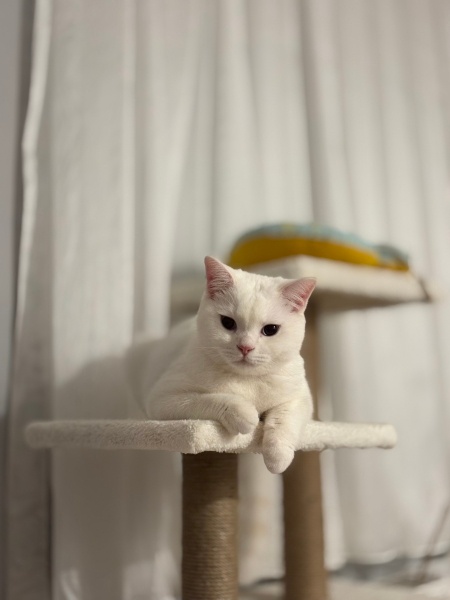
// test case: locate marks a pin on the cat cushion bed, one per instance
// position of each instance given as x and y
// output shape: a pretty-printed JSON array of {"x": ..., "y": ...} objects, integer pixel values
[{"x": 272, "y": 242}]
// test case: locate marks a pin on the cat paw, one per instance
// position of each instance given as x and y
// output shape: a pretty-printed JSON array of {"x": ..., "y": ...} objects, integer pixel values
[
  {"x": 277, "y": 457},
  {"x": 240, "y": 418}
]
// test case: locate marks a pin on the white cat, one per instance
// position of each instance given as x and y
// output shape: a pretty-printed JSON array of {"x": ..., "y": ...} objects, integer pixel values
[{"x": 236, "y": 362}]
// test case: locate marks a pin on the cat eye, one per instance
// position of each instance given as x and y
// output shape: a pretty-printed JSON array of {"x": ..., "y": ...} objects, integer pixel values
[
  {"x": 269, "y": 330},
  {"x": 228, "y": 323}
]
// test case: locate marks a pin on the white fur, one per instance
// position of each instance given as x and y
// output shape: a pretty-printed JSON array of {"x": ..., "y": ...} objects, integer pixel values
[{"x": 198, "y": 371}]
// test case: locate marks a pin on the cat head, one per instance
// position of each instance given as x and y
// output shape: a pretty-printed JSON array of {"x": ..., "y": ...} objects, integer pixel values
[{"x": 251, "y": 323}]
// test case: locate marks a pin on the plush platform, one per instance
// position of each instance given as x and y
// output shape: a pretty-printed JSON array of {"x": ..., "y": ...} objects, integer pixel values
[{"x": 193, "y": 437}]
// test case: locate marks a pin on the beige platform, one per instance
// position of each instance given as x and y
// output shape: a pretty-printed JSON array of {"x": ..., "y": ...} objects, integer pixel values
[{"x": 194, "y": 437}]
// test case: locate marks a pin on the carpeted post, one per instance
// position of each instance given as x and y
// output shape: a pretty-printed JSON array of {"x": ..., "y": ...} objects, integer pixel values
[
  {"x": 210, "y": 502},
  {"x": 306, "y": 577}
]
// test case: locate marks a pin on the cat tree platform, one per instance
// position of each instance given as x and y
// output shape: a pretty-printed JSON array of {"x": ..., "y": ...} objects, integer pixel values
[
  {"x": 194, "y": 437},
  {"x": 210, "y": 488}
]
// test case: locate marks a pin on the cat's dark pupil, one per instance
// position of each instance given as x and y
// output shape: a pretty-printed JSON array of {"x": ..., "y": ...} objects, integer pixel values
[
  {"x": 228, "y": 322},
  {"x": 270, "y": 329}
]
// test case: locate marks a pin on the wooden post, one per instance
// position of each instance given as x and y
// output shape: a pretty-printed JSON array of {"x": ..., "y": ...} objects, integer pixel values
[{"x": 306, "y": 577}]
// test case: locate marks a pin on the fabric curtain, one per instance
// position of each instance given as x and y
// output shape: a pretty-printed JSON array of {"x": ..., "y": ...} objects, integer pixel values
[{"x": 157, "y": 132}]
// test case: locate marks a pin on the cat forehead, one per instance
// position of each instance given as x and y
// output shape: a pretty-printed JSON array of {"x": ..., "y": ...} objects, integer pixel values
[
  {"x": 255, "y": 283},
  {"x": 259, "y": 310},
  {"x": 254, "y": 298}
]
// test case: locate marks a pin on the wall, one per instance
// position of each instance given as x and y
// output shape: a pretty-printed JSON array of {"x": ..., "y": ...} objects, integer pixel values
[{"x": 15, "y": 44}]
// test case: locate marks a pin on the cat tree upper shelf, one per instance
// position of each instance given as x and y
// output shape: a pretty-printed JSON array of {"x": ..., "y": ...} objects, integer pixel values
[{"x": 340, "y": 286}]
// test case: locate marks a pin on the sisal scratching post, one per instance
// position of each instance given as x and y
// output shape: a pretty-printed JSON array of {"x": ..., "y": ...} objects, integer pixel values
[
  {"x": 306, "y": 577},
  {"x": 210, "y": 504}
]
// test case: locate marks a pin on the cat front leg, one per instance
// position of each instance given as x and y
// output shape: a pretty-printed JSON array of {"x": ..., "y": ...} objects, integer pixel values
[
  {"x": 283, "y": 426},
  {"x": 234, "y": 413}
]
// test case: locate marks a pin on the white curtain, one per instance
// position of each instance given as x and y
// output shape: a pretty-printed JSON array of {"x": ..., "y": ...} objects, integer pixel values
[{"x": 157, "y": 132}]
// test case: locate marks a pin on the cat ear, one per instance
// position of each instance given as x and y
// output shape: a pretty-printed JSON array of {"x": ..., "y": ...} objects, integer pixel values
[
  {"x": 218, "y": 277},
  {"x": 297, "y": 293}
]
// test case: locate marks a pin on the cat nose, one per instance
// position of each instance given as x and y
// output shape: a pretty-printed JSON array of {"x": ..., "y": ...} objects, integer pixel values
[{"x": 245, "y": 349}]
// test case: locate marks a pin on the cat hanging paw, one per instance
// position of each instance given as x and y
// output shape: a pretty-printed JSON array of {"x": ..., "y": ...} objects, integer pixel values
[
  {"x": 277, "y": 456},
  {"x": 239, "y": 417}
]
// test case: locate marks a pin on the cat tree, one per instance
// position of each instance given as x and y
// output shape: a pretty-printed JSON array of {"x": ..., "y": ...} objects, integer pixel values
[{"x": 210, "y": 455}]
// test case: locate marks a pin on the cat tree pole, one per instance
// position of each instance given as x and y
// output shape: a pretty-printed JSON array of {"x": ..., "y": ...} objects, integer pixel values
[{"x": 305, "y": 573}]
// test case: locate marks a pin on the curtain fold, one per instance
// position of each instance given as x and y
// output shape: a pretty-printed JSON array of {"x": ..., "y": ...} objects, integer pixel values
[{"x": 158, "y": 132}]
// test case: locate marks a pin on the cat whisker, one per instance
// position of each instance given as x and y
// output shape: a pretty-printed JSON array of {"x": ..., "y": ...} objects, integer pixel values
[
  {"x": 209, "y": 347},
  {"x": 261, "y": 359}
]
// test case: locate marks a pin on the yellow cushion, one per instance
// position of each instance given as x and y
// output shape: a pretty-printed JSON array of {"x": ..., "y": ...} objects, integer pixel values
[{"x": 275, "y": 244}]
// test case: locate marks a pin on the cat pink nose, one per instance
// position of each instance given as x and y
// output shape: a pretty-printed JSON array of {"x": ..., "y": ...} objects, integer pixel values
[{"x": 245, "y": 349}]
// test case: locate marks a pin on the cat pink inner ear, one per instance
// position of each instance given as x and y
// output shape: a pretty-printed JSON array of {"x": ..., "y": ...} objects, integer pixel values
[
  {"x": 297, "y": 293},
  {"x": 218, "y": 277}
]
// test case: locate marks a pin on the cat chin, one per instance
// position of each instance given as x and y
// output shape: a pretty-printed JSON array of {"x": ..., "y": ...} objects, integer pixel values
[{"x": 244, "y": 367}]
